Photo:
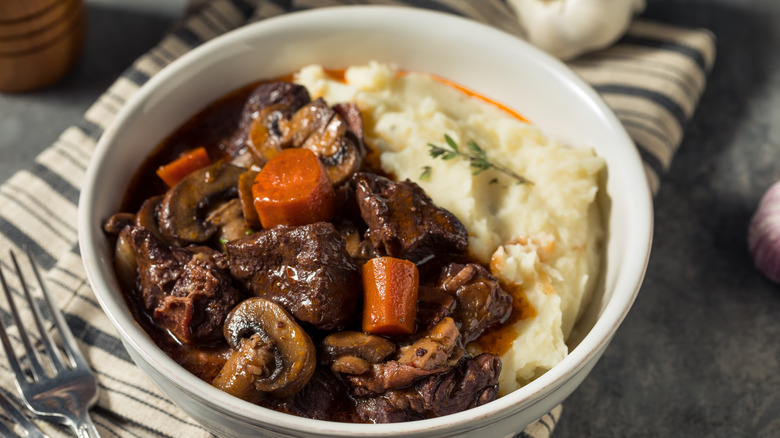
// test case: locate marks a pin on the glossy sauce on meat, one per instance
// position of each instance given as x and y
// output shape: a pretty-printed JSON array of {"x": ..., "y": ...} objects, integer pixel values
[{"x": 186, "y": 289}]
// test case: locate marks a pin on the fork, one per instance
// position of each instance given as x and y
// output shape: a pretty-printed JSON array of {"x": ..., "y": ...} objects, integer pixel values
[
  {"x": 15, "y": 415},
  {"x": 65, "y": 394}
]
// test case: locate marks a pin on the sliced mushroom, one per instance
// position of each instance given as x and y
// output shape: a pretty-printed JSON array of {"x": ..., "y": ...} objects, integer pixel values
[
  {"x": 124, "y": 258},
  {"x": 321, "y": 129},
  {"x": 185, "y": 205},
  {"x": 248, "y": 362},
  {"x": 273, "y": 353},
  {"x": 245, "y": 182},
  {"x": 229, "y": 220},
  {"x": 353, "y": 352},
  {"x": 117, "y": 221},
  {"x": 125, "y": 263},
  {"x": 311, "y": 119},
  {"x": 148, "y": 216},
  {"x": 351, "y": 365},
  {"x": 268, "y": 134},
  {"x": 283, "y": 95}
]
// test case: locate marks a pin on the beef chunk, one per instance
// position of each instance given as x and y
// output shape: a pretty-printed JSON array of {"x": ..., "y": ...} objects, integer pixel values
[
  {"x": 323, "y": 398},
  {"x": 350, "y": 112},
  {"x": 187, "y": 291},
  {"x": 433, "y": 305},
  {"x": 386, "y": 376},
  {"x": 289, "y": 95},
  {"x": 403, "y": 222},
  {"x": 480, "y": 300},
  {"x": 305, "y": 269},
  {"x": 436, "y": 351},
  {"x": 433, "y": 349},
  {"x": 473, "y": 383}
]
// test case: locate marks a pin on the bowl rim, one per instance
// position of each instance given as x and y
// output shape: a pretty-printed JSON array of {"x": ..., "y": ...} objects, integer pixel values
[{"x": 593, "y": 343}]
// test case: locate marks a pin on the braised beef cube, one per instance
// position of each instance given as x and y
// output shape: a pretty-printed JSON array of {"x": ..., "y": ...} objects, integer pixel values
[
  {"x": 437, "y": 347},
  {"x": 323, "y": 398},
  {"x": 305, "y": 269},
  {"x": 480, "y": 300},
  {"x": 386, "y": 376},
  {"x": 433, "y": 305},
  {"x": 473, "y": 383},
  {"x": 434, "y": 352},
  {"x": 393, "y": 407},
  {"x": 287, "y": 94},
  {"x": 403, "y": 222},
  {"x": 350, "y": 112},
  {"x": 349, "y": 212},
  {"x": 186, "y": 291}
]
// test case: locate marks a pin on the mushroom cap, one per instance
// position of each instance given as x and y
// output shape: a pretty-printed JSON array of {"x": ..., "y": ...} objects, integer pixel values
[
  {"x": 184, "y": 207},
  {"x": 325, "y": 131},
  {"x": 372, "y": 348},
  {"x": 148, "y": 216},
  {"x": 294, "y": 354}
]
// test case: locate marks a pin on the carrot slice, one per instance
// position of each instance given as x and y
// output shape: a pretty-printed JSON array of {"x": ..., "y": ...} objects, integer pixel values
[
  {"x": 389, "y": 296},
  {"x": 187, "y": 163},
  {"x": 293, "y": 188}
]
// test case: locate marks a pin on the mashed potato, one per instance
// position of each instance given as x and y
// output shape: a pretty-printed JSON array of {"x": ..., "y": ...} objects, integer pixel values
[{"x": 543, "y": 238}]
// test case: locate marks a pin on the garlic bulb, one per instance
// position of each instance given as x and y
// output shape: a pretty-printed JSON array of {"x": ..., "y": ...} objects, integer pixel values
[
  {"x": 764, "y": 234},
  {"x": 567, "y": 28}
]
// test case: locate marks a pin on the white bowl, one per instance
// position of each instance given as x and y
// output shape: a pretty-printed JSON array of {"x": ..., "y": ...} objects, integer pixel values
[{"x": 481, "y": 58}]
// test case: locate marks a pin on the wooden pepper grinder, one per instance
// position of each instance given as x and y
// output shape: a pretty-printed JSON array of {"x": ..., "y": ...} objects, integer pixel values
[{"x": 39, "y": 41}]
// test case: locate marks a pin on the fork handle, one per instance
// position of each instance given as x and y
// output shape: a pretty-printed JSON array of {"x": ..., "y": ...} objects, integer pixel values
[{"x": 84, "y": 428}]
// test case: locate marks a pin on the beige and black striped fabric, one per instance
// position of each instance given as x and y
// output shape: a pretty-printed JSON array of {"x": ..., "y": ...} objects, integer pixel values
[{"x": 652, "y": 78}]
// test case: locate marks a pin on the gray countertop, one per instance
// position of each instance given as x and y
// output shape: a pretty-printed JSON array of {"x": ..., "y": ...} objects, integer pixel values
[{"x": 699, "y": 354}]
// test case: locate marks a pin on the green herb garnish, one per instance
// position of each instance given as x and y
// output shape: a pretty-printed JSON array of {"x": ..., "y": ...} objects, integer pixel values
[
  {"x": 426, "y": 174},
  {"x": 478, "y": 159}
]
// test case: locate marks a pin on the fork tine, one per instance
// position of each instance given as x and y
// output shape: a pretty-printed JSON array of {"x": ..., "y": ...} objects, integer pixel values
[
  {"x": 45, "y": 337},
  {"x": 5, "y": 431},
  {"x": 9, "y": 351},
  {"x": 20, "y": 419},
  {"x": 68, "y": 340},
  {"x": 32, "y": 355}
]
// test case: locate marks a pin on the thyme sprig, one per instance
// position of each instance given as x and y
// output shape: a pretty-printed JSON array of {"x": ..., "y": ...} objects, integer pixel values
[
  {"x": 478, "y": 159},
  {"x": 426, "y": 173}
]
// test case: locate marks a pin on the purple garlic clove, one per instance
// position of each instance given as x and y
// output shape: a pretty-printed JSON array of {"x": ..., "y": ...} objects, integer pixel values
[{"x": 764, "y": 234}]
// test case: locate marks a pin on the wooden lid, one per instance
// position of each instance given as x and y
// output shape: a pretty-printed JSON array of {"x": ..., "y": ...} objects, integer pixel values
[
  {"x": 39, "y": 41},
  {"x": 23, "y": 10}
]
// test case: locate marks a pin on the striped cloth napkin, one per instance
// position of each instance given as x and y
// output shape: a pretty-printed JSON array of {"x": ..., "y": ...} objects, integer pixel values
[{"x": 652, "y": 78}]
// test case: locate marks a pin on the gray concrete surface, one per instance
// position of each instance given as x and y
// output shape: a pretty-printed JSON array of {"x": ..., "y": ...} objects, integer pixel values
[{"x": 699, "y": 354}]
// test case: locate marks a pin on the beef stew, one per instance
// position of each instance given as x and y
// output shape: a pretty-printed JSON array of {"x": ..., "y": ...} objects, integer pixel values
[{"x": 274, "y": 315}]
